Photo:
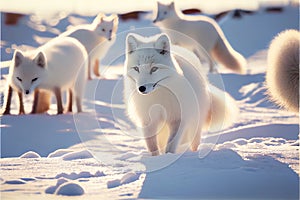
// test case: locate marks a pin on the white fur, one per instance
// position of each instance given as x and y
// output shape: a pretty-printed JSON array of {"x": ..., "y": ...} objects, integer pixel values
[
  {"x": 96, "y": 37},
  {"x": 202, "y": 30},
  {"x": 63, "y": 68},
  {"x": 282, "y": 76},
  {"x": 177, "y": 102}
]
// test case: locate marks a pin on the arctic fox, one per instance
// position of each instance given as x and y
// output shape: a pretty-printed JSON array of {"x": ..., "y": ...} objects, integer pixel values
[
  {"x": 282, "y": 77},
  {"x": 170, "y": 104},
  {"x": 58, "y": 65},
  {"x": 202, "y": 30},
  {"x": 96, "y": 37}
]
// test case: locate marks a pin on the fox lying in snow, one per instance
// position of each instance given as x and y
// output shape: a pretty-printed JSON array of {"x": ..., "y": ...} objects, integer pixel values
[
  {"x": 58, "y": 65},
  {"x": 167, "y": 99},
  {"x": 202, "y": 30}
]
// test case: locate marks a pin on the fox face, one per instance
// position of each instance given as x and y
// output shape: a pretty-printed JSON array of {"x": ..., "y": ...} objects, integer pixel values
[
  {"x": 106, "y": 26},
  {"x": 164, "y": 11},
  {"x": 27, "y": 72},
  {"x": 148, "y": 62}
]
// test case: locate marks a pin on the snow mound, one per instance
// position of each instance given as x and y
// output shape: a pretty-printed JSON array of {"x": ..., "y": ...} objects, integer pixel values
[
  {"x": 70, "y": 189},
  {"x": 52, "y": 189},
  {"x": 127, "y": 178},
  {"x": 58, "y": 153},
  {"x": 219, "y": 176},
  {"x": 66, "y": 188},
  {"x": 30, "y": 154},
  {"x": 85, "y": 154},
  {"x": 74, "y": 176}
]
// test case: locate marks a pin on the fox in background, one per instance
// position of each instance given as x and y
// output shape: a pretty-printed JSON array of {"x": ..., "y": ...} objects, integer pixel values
[
  {"x": 167, "y": 99},
  {"x": 58, "y": 65},
  {"x": 204, "y": 31},
  {"x": 96, "y": 37}
]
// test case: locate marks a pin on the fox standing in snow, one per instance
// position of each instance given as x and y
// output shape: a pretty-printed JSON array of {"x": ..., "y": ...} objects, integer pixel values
[
  {"x": 282, "y": 77},
  {"x": 203, "y": 30},
  {"x": 167, "y": 99},
  {"x": 97, "y": 38},
  {"x": 58, "y": 65}
]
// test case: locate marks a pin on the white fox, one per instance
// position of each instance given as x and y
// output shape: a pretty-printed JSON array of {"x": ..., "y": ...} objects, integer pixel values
[
  {"x": 96, "y": 37},
  {"x": 282, "y": 77},
  {"x": 58, "y": 65},
  {"x": 171, "y": 104},
  {"x": 202, "y": 30}
]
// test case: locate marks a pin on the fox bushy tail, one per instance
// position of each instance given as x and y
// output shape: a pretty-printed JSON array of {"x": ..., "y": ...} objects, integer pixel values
[
  {"x": 282, "y": 77},
  {"x": 227, "y": 56},
  {"x": 223, "y": 110}
]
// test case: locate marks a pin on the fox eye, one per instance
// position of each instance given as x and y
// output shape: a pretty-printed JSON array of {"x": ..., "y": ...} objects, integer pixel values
[
  {"x": 153, "y": 69},
  {"x": 34, "y": 80},
  {"x": 110, "y": 31},
  {"x": 165, "y": 12},
  {"x": 103, "y": 30},
  {"x": 136, "y": 69},
  {"x": 19, "y": 79}
]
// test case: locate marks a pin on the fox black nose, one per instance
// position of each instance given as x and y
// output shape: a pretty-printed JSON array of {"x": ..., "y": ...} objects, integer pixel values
[
  {"x": 154, "y": 21},
  {"x": 27, "y": 91},
  {"x": 142, "y": 89},
  {"x": 109, "y": 39}
]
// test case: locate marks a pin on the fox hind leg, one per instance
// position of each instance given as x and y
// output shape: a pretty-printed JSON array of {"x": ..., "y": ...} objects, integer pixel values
[
  {"x": 79, "y": 104},
  {"x": 8, "y": 101},
  {"x": 195, "y": 142}
]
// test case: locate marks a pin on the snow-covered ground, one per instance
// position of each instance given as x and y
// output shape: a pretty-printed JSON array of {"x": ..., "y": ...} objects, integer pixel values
[{"x": 98, "y": 154}]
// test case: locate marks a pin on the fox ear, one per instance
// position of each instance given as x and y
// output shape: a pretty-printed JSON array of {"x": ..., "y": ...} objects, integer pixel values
[
  {"x": 115, "y": 18},
  {"x": 40, "y": 60},
  {"x": 131, "y": 43},
  {"x": 162, "y": 44},
  {"x": 99, "y": 18},
  {"x": 18, "y": 57},
  {"x": 171, "y": 5}
]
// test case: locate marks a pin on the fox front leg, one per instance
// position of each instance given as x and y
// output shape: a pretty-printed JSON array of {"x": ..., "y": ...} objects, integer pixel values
[
  {"x": 96, "y": 67},
  {"x": 57, "y": 93},
  {"x": 70, "y": 101},
  {"x": 175, "y": 136},
  {"x": 35, "y": 101},
  {"x": 89, "y": 68},
  {"x": 8, "y": 101},
  {"x": 21, "y": 107},
  {"x": 151, "y": 140}
]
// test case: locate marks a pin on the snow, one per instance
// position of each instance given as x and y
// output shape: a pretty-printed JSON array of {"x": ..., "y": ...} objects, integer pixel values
[
  {"x": 30, "y": 154},
  {"x": 66, "y": 188},
  {"x": 127, "y": 178},
  {"x": 77, "y": 155},
  {"x": 83, "y": 174},
  {"x": 223, "y": 174},
  {"x": 98, "y": 154},
  {"x": 69, "y": 189}
]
